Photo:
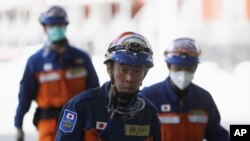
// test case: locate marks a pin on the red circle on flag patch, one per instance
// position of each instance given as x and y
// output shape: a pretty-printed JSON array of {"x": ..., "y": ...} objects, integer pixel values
[{"x": 101, "y": 125}]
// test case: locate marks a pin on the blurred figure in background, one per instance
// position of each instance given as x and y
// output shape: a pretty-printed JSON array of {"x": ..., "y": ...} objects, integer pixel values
[
  {"x": 186, "y": 111},
  {"x": 52, "y": 76},
  {"x": 115, "y": 111}
]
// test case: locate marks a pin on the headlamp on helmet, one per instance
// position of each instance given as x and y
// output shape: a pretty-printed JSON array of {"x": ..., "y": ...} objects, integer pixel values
[{"x": 132, "y": 47}]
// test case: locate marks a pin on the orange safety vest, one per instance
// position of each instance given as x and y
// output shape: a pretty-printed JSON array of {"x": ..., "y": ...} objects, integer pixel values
[
  {"x": 58, "y": 86},
  {"x": 182, "y": 126}
]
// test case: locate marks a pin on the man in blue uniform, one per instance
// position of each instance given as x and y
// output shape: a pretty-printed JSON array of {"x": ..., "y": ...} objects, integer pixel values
[
  {"x": 52, "y": 76},
  {"x": 115, "y": 111},
  {"x": 187, "y": 112}
]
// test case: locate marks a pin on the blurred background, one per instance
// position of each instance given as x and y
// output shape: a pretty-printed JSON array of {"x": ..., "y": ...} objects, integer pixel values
[{"x": 221, "y": 27}]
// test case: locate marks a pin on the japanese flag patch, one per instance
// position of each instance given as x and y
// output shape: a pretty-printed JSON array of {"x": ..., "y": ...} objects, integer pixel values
[
  {"x": 68, "y": 121},
  {"x": 166, "y": 108},
  {"x": 101, "y": 125}
]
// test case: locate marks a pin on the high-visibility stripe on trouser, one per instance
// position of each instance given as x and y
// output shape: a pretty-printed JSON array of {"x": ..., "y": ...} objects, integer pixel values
[{"x": 47, "y": 129}]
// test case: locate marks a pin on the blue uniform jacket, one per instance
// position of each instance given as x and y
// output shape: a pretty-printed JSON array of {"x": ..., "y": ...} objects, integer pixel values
[
  {"x": 50, "y": 79},
  {"x": 191, "y": 119},
  {"x": 88, "y": 112}
]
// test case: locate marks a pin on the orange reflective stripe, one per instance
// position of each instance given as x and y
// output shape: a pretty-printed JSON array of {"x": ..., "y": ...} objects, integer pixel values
[
  {"x": 47, "y": 129},
  {"x": 57, "y": 87}
]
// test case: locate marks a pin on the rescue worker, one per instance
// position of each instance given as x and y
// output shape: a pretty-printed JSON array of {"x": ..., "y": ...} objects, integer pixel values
[
  {"x": 186, "y": 111},
  {"x": 52, "y": 76},
  {"x": 115, "y": 111}
]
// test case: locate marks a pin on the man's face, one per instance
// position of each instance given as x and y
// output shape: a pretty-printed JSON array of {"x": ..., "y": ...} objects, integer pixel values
[
  {"x": 181, "y": 75},
  {"x": 56, "y": 33},
  {"x": 128, "y": 78}
]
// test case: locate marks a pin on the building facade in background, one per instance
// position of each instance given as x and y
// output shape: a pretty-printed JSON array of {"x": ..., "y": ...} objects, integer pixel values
[{"x": 221, "y": 26}]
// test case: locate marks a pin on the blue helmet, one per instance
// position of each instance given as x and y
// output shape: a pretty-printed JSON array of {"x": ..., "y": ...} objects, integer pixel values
[
  {"x": 183, "y": 51},
  {"x": 130, "y": 48},
  {"x": 54, "y": 15}
]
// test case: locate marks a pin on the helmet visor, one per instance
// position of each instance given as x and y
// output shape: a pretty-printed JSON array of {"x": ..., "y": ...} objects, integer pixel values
[
  {"x": 131, "y": 54},
  {"x": 132, "y": 47},
  {"x": 184, "y": 46},
  {"x": 183, "y": 50},
  {"x": 131, "y": 58}
]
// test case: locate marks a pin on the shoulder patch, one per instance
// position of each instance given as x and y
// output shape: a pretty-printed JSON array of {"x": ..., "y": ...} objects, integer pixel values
[{"x": 68, "y": 121}]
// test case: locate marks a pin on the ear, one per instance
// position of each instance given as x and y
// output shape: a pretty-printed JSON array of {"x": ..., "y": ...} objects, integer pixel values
[
  {"x": 146, "y": 72},
  {"x": 45, "y": 28},
  {"x": 168, "y": 65},
  {"x": 196, "y": 66},
  {"x": 109, "y": 69}
]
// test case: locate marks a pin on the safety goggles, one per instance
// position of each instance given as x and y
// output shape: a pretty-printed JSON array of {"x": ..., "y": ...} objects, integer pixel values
[
  {"x": 183, "y": 50},
  {"x": 133, "y": 47}
]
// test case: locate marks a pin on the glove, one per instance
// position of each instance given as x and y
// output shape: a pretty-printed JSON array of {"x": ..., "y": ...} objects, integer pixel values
[{"x": 19, "y": 135}]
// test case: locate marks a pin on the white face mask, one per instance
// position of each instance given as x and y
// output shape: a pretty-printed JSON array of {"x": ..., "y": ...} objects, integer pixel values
[{"x": 181, "y": 78}]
